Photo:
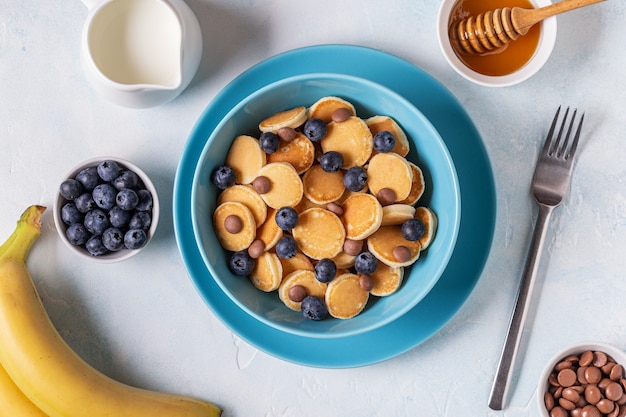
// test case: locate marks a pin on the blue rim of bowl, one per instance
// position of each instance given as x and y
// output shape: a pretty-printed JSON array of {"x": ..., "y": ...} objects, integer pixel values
[{"x": 450, "y": 241}]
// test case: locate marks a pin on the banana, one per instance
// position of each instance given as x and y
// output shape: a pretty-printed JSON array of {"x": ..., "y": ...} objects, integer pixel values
[
  {"x": 44, "y": 366},
  {"x": 14, "y": 402}
]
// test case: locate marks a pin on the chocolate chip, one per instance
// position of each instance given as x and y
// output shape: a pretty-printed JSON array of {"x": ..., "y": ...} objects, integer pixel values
[
  {"x": 401, "y": 253},
  {"x": 335, "y": 208},
  {"x": 366, "y": 282},
  {"x": 340, "y": 115},
  {"x": 297, "y": 293},
  {"x": 386, "y": 196},
  {"x": 287, "y": 134},
  {"x": 352, "y": 247},
  {"x": 233, "y": 224},
  {"x": 261, "y": 185},
  {"x": 256, "y": 249}
]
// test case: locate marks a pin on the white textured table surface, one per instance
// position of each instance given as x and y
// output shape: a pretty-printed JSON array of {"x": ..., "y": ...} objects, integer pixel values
[{"x": 142, "y": 322}]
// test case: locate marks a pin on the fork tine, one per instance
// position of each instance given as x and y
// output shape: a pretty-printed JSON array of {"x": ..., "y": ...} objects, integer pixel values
[
  {"x": 572, "y": 149},
  {"x": 557, "y": 142},
  {"x": 562, "y": 151},
  {"x": 549, "y": 139}
]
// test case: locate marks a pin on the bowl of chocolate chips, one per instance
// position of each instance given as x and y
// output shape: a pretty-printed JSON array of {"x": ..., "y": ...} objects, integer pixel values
[{"x": 584, "y": 380}]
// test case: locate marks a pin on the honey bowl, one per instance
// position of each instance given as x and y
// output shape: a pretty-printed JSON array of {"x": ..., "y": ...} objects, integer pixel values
[{"x": 507, "y": 66}]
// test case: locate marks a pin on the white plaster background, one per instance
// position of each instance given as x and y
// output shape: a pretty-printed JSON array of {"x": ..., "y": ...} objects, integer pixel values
[{"x": 142, "y": 322}]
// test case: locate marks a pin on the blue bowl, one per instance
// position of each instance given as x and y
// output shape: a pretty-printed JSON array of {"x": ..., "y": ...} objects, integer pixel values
[{"x": 428, "y": 151}]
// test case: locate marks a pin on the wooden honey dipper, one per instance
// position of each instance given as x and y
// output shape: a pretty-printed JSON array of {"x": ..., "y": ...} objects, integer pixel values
[{"x": 493, "y": 29}]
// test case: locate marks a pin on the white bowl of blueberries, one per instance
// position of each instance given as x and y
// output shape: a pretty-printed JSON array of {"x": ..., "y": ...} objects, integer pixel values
[{"x": 106, "y": 209}]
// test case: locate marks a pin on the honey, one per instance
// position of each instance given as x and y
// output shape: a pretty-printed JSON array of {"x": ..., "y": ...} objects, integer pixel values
[{"x": 511, "y": 56}]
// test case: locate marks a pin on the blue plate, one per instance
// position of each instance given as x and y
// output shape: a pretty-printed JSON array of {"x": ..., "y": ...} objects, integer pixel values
[{"x": 477, "y": 222}]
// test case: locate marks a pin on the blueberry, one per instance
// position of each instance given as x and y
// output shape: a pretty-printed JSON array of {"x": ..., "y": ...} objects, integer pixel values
[
  {"x": 96, "y": 221},
  {"x": 135, "y": 238},
  {"x": 331, "y": 161},
  {"x": 365, "y": 263},
  {"x": 88, "y": 177},
  {"x": 384, "y": 141},
  {"x": 70, "y": 214},
  {"x": 313, "y": 308},
  {"x": 145, "y": 200},
  {"x": 140, "y": 220},
  {"x": 104, "y": 196},
  {"x": 113, "y": 239},
  {"x": 355, "y": 179},
  {"x": 286, "y": 218},
  {"x": 95, "y": 247},
  {"x": 70, "y": 189},
  {"x": 108, "y": 170},
  {"x": 286, "y": 247},
  {"x": 77, "y": 234},
  {"x": 413, "y": 229},
  {"x": 269, "y": 142},
  {"x": 85, "y": 202},
  {"x": 241, "y": 263},
  {"x": 119, "y": 217},
  {"x": 126, "y": 179},
  {"x": 315, "y": 129},
  {"x": 127, "y": 199},
  {"x": 325, "y": 270},
  {"x": 224, "y": 177}
]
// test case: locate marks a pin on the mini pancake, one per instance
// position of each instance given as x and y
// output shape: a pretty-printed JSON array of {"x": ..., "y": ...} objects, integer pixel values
[
  {"x": 386, "y": 123},
  {"x": 288, "y": 118},
  {"x": 429, "y": 218},
  {"x": 383, "y": 242},
  {"x": 304, "y": 278},
  {"x": 286, "y": 186},
  {"x": 305, "y": 204},
  {"x": 362, "y": 215},
  {"x": 343, "y": 260},
  {"x": 245, "y": 194},
  {"x": 347, "y": 193},
  {"x": 322, "y": 187},
  {"x": 344, "y": 296},
  {"x": 389, "y": 170},
  {"x": 300, "y": 153},
  {"x": 246, "y": 158},
  {"x": 418, "y": 185},
  {"x": 352, "y": 139},
  {"x": 324, "y": 107},
  {"x": 296, "y": 263},
  {"x": 395, "y": 214},
  {"x": 267, "y": 273},
  {"x": 319, "y": 233},
  {"x": 386, "y": 280},
  {"x": 269, "y": 232},
  {"x": 234, "y": 241}
]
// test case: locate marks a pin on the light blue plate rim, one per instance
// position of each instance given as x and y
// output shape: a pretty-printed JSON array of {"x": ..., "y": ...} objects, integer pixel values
[
  {"x": 447, "y": 230},
  {"x": 476, "y": 231}
]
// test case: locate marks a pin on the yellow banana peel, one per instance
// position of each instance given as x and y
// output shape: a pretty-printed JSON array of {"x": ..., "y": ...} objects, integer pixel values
[{"x": 45, "y": 368}]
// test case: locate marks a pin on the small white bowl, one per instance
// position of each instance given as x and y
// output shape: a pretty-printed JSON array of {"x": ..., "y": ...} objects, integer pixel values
[
  {"x": 547, "y": 38},
  {"x": 122, "y": 254},
  {"x": 617, "y": 354}
]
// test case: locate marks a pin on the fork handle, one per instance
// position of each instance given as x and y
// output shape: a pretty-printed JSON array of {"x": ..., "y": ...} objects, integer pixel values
[{"x": 516, "y": 325}]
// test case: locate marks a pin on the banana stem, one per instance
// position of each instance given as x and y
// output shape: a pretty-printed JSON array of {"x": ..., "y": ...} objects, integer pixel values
[{"x": 26, "y": 232}]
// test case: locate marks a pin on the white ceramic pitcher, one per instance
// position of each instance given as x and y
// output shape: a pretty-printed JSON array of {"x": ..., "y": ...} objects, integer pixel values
[{"x": 140, "y": 53}]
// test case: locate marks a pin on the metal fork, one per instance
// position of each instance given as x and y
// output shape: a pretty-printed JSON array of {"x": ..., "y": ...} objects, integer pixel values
[{"x": 549, "y": 185}]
